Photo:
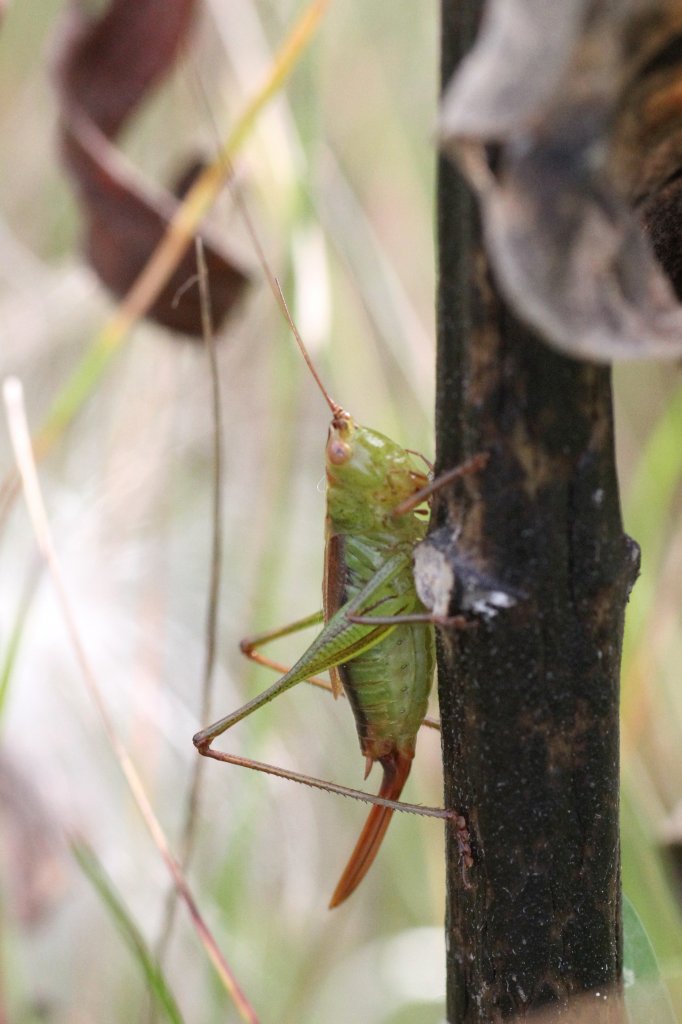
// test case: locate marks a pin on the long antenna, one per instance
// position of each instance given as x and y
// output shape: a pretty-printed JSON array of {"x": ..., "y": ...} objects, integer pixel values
[
  {"x": 282, "y": 302},
  {"x": 276, "y": 287},
  {"x": 272, "y": 280}
]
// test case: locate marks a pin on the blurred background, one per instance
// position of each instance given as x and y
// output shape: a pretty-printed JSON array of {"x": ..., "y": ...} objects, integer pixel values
[{"x": 338, "y": 174}]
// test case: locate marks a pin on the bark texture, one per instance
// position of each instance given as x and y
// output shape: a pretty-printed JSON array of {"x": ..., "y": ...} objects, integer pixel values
[{"x": 529, "y": 697}]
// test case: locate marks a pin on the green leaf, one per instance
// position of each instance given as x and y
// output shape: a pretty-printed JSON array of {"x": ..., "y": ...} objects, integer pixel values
[
  {"x": 646, "y": 996},
  {"x": 158, "y": 987},
  {"x": 13, "y": 643},
  {"x": 648, "y": 512}
]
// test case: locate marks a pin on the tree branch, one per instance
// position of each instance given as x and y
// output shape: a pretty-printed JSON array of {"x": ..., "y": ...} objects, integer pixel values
[{"x": 529, "y": 699}]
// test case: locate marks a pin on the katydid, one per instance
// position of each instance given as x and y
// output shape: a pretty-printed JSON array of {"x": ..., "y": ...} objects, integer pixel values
[{"x": 377, "y": 641}]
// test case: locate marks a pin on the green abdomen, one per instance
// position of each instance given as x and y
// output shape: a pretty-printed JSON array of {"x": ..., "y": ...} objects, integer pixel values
[{"x": 388, "y": 686}]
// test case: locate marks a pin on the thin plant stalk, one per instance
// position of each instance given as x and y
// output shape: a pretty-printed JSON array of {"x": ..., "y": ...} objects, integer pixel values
[{"x": 188, "y": 831}]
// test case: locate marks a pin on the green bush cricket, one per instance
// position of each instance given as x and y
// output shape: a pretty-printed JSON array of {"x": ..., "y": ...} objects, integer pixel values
[{"x": 377, "y": 640}]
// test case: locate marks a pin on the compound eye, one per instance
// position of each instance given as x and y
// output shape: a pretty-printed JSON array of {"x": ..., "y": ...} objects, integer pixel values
[{"x": 338, "y": 451}]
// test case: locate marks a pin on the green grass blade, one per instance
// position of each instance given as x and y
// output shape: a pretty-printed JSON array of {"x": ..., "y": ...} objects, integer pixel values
[
  {"x": 158, "y": 987},
  {"x": 648, "y": 512},
  {"x": 11, "y": 648},
  {"x": 646, "y": 997},
  {"x": 645, "y": 876}
]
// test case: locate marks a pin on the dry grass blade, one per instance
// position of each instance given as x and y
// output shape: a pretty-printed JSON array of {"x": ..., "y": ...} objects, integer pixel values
[
  {"x": 192, "y": 800},
  {"x": 21, "y": 444}
]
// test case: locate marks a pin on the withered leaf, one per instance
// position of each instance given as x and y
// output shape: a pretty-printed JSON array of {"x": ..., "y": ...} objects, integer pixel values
[
  {"x": 106, "y": 66},
  {"x": 579, "y": 218}
]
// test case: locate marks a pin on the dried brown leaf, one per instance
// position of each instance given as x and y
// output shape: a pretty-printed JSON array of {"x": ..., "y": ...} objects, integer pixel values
[
  {"x": 540, "y": 116},
  {"x": 106, "y": 67}
]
